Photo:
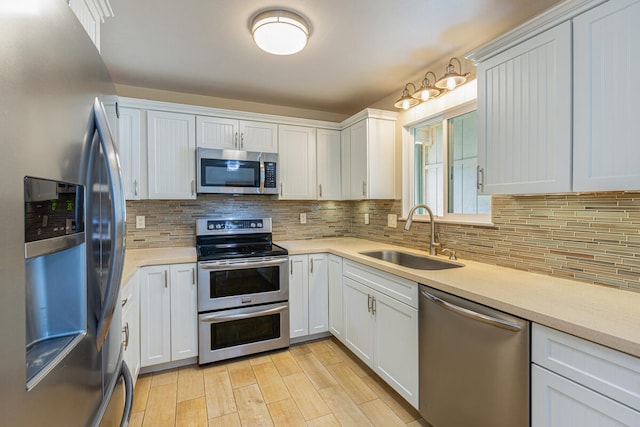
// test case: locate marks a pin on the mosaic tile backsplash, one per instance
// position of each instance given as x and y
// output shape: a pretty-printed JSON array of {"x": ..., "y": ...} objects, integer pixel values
[{"x": 593, "y": 238}]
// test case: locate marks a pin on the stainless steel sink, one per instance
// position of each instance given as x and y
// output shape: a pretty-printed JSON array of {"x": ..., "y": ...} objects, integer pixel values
[{"x": 411, "y": 261}]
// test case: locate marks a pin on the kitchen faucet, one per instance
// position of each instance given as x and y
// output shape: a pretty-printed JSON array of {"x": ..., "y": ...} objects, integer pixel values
[{"x": 432, "y": 244}]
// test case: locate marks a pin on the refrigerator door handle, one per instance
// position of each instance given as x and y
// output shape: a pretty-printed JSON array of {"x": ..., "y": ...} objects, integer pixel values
[
  {"x": 128, "y": 400},
  {"x": 116, "y": 191}
]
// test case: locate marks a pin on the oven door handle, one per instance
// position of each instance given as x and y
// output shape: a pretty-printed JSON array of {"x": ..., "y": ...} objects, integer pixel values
[
  {"x": 253, "y": 312},
  {"x": 245, "y": 264}
]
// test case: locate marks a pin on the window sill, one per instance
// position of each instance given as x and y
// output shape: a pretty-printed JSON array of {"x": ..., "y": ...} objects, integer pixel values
[{"x": 449, "y": 220}]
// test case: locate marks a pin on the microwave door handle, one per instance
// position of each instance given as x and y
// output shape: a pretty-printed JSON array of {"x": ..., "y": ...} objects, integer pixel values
[
  {"x": 116, "y": 191},
  {"x": 256, "y": 312},
  {"x": 262, "y": 175}
]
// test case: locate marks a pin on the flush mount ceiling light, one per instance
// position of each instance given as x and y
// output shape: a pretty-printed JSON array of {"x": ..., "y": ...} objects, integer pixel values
[
  {"x": 280, "y": 32},
  {"x": 406, "y": 101},
  {"x": 427, "y": 90},
  {"x": 451, "y": 78}
]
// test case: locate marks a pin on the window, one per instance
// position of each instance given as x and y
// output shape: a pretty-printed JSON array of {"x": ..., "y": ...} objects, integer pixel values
[{"x": 444, "y": 167}]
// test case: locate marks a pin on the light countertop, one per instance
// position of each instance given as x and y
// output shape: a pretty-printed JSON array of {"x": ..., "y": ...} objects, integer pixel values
[{"x": 607, "y": 316}]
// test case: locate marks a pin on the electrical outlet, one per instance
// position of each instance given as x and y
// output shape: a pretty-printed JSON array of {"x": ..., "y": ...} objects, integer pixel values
[
  {"x": 303, "y": 218},
  {"x": 140, "y": 222},
  {"x": 392, "y": 220},
  {"x": 366, "y": 219}
]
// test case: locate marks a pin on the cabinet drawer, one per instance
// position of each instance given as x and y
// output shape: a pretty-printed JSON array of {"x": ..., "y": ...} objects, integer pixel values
[
  {"x": 610, "y": 372},
  {"x": 400, "y": 289}
]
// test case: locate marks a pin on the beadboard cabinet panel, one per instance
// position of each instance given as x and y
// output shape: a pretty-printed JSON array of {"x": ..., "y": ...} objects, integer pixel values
[
  {"x": 524, "y": 116},
  {"x": 606, "y": 63},
  {"x": 297, "y": 162}
]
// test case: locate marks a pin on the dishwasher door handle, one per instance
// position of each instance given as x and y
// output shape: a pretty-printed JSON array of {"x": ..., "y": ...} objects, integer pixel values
[{"x": 503, "y": 324}]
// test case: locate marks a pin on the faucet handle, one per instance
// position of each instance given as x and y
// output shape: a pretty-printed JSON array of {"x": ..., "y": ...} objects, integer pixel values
[{"x": 451, "y": 252}]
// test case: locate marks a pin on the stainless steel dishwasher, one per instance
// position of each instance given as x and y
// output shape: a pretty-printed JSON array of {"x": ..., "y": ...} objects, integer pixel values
[{"x": 474, "y": 363}]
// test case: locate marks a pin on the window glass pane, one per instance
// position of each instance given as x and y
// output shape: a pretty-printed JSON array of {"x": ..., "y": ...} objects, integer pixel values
[
  {"x": 429, "y": 158},
  {"x": 463, "y": 161}
]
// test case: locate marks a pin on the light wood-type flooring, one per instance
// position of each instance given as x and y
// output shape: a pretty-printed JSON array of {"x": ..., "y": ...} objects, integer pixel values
[{"x": 317, "y": 383}]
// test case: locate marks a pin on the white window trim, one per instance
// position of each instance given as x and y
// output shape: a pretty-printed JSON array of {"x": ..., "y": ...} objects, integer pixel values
[{"x": 408, "y": 178}]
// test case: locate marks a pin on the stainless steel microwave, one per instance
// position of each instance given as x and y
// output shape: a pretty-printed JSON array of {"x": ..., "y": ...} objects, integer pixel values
[{"x": 236, "y": 172}]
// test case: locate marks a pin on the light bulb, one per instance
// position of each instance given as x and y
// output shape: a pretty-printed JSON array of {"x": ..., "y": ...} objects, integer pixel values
[
  {"x": 451, "y": 83},
  {"x": 405, "y": 104},
  {"x": 425, "y": 95}
]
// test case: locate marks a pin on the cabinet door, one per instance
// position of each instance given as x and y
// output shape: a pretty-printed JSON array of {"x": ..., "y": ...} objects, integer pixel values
[
  {"x": 184, "y": 311},
  {"x": 396, "y": 346},
  {"x": 358, "y": 184},
  {"x": 606, "y": 92},
  {"x": 89, "y": 17},
  {"x": 559, "y": 402},
  {"x": 318, "y": 294},
  {"x": 336, "y": 310},
  {"x": 215, "y": 132},
  {"x": 130, "y": 151},
  {"x": 172, "y": 161},
  {"x": 328, "y": 164},
  {"x": 259, "y": 136},
  {"x": 358, "y": 320},
  {"x": 155, "y": 316},
  {"x": 524, "y": 116},
  {"x": 298, "y": 296},
  {"x": 131, "y": 326},
  {"x": 380, "y": 158},
  {"x": 297, "y": 162}
]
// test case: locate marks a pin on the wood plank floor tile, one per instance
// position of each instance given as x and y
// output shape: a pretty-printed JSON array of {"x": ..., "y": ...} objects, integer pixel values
[
  {"x": 271, "y": 385},
  {"x": 219, "y": 394},
  {"x": 161, "y": 406},
  {"x": 325, "y": 421},
  {"x": 260, "y": 359},
  {"x": 315, "y": 371},
  {"x": 299, "y": 349},
  {"x": 285, "y": 413},
  {"x": 190, "y": 383},
  {"x": 380, "y": 414},
  {"x": 307, "y": 398},
  {"x": 141, "y": 393},
  {"x": 353, "y": 384},
  {"x": 398, "y": 405},
  {"x": 251, "y": 407},
  {"x": 136, "y": 419},
  {"x": 165, "y": 377},
  {"x": 285, "y": 363},
  {"x": 326, "y": 354},
  {"x": 241, "y": 374},
  {"x": 343, "y": 407},
  {"x": 192, "y": 413},
  {"x": 419, "y": 423},
  {"x": 229, "y": 420}
]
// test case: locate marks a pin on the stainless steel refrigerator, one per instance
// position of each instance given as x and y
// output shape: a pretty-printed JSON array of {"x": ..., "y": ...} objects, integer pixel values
[{"x": 62, "y": 218}]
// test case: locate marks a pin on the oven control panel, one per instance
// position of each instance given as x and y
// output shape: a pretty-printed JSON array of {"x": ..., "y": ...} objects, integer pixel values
[{"x": 233, "y": 226}]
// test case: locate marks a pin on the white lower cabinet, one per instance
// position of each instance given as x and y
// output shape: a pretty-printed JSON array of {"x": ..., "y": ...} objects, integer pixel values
[
  {"x": 168, "y": 313},
  {"x": 577, "y": 383},
  {"x": 336, "y": 308},
  {"x": 308, "y": 295},
  {"x": 130, "y": 300},
  {"x": 380, "y": 329}
]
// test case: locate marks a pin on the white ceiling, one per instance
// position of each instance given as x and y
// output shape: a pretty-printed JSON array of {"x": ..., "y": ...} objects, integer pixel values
[{"x": 360, "y": 51}]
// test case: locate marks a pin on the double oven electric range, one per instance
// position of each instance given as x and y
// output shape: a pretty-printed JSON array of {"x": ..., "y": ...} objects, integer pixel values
[{"x": 243, "y": 289}]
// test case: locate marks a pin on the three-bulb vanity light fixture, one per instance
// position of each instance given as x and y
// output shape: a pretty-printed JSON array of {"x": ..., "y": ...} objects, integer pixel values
[{"x": 449, "y": 81}]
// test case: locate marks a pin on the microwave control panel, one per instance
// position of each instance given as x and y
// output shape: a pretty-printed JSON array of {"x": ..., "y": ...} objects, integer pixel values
[{"x": 270, "y": 174}]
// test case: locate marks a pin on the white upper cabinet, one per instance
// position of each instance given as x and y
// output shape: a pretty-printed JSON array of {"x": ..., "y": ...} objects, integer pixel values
[
  {"x": 171, "y": 149},
  {"x": 606, "y": 152},
  {"x": 328, "y": 164},
  {"x": 524, "y": 116},
  {"x": 130, "y": 150},
  {"x": 369, "y": 160},
  {"x": 215, "y": 132},
  {"x": 296, "y": 162},
  {"x": 91, "y": 14}
]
